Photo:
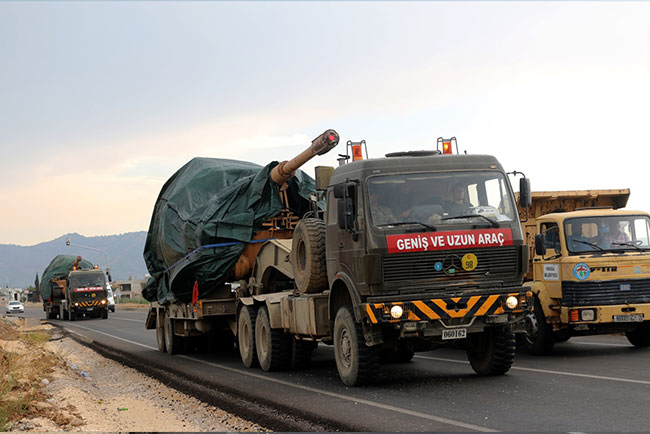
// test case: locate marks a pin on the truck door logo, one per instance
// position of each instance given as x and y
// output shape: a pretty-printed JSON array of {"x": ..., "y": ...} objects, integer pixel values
[
  {"x": 451, "y": 265},
  {"x": 581, "y": 271}
]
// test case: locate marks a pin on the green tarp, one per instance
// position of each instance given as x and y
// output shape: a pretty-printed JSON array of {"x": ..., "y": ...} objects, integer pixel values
[
  {"x": 216, "y": 203},
  {"x": 59, "y": 268}
]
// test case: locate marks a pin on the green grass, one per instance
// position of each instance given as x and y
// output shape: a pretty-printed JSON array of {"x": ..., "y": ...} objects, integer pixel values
[{"x": 11, "y": 408}]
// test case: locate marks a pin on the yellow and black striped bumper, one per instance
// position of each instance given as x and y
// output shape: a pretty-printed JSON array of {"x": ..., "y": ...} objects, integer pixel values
[
  {"x": 86, "y": 304},
  {"x": 446, "y": 308}
]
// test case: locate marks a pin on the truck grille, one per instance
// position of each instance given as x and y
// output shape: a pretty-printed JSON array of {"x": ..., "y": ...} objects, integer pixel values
[
  {"x": 605, "y": 292},
  {"x": 499, "y": 262}
]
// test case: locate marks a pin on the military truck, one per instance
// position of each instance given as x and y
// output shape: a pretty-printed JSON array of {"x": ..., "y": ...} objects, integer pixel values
[
  {"x": 72, "y": 287},
  {"x": 590, "y": 268},
  {"x": 376, "y": 265}
]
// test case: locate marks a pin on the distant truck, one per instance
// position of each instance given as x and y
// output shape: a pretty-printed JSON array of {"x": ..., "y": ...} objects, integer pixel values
[
  {"x": 385, "y": 270},
  {"x": 590, "y": 267},
  {"x": 71, "y": 288}
]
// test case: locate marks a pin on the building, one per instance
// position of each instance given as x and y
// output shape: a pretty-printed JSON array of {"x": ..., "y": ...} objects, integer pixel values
[{"x": 127, "y": 289}]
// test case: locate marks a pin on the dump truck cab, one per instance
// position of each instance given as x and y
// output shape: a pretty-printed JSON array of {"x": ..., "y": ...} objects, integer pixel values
[{"x": 590, "y": 273}]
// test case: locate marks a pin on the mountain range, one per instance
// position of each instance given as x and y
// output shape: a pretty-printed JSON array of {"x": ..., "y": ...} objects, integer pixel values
[{"x": 19, "y": 264}]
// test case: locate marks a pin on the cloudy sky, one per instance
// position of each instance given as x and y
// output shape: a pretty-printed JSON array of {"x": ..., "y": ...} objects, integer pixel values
[{"x": 100, "y": 102}]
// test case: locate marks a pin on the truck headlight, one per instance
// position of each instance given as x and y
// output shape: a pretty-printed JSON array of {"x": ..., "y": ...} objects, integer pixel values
[
  {"x": 76, "y": 305},
  {"x": 396, "y": 312},
  {"x": 512, "y": 302},
  {"x": 587, "y": 315},
  {"x": 103, "y": 301}
]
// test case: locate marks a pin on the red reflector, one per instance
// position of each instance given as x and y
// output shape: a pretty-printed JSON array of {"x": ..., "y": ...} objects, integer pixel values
[
  {"x": 356, "y": 153},
  {"x": 575, "y": 315}
]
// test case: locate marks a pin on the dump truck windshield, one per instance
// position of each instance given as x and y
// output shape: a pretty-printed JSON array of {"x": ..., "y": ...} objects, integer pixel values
[
  {"x": 440, "y": 199},
  {"x": 607, "y": 233}
]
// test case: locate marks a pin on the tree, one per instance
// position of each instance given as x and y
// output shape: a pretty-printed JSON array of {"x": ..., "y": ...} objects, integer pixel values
[{"x": 36, "y": 282}]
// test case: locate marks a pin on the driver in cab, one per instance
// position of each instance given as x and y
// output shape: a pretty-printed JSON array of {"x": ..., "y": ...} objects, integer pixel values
[{"x": 458, "y": 204}]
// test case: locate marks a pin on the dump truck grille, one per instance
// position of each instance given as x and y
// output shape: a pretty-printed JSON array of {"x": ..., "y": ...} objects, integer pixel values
[
  {"x": 606, "y": 292},
  {"x": 493, "y": 263}
]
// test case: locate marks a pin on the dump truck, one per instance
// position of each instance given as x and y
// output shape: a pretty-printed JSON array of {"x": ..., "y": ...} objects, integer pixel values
[
  {"x": 379, "y": 258},
  {"x": 71, "y": 288},
  {"x": 590, "y": 267}
]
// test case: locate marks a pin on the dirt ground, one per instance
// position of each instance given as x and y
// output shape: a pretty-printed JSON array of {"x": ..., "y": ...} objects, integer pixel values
[{"x": 49, "y": 382}]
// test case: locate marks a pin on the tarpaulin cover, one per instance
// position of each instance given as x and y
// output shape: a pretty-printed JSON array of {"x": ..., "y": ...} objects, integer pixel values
[
  {"x": 59, "y": 268},
  {"x": 211, "y": 201}
]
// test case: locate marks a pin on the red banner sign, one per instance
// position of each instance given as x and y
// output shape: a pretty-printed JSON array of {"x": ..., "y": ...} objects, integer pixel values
[
  {"x": 89, "y": 289},
  {"x": 431, "y": 241}
]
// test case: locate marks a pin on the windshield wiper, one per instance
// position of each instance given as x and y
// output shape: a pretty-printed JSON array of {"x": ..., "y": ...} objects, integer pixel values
[
  {"x": 494, "y": 223},
  {"x": 589, "y": 244},
  {"x": 628, "y": 244},
  {"x": 426, "y": 225}
]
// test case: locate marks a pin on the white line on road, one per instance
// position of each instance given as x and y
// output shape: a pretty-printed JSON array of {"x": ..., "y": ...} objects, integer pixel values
[
  {"x": 602, "y": 344},
  {"x": 315, "y": 390},
  {"x": 126, "y": 319},
  {"x": 546, "y": 371}
]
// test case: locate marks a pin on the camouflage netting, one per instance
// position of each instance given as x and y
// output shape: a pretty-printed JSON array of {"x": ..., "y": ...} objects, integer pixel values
[
  {"x": 59, "y": 268},
  {"x": 206, "y": 202}
]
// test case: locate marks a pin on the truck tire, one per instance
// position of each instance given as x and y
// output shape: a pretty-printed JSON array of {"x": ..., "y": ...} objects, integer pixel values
[
  {"x": 538, "y": 339},
  {"x": 246, "y": 336},
  {"x": 301, "y": 352},
  {"x": 640, "y": 336},
  {"x": 174, "y": 344},
  {"x": 308, "y": 256},
  {"x": 492, "y": 351},
  {"x": 160, "y": 330},
  {"x": 105, "y": 313},
  {"x": 71, "y": 314},
  {"x": 272, "y": 345},
  {"x": 356, "y": 362}
]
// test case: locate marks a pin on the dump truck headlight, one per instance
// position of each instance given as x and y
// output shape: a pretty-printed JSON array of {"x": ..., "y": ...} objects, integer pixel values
[
  {"x": 512, "y": 302},
  {"x": 103, "y": 301},
  {"x": 587, "y": 315},
  {"x": 76, "y": 305},
  {"x": 396, "y": 312}
]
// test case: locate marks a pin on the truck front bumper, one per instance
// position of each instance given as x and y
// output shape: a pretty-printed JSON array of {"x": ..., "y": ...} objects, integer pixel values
[
  {"x": 585, "y": 317},
  {"x": 429, "y": 316}
]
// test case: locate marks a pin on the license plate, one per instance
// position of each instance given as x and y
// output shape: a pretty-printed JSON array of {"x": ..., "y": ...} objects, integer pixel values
[
  {"x": 89, "y": 308},
  {"x": 454, "y": 334},
  {"x": 635, "y": 317}
]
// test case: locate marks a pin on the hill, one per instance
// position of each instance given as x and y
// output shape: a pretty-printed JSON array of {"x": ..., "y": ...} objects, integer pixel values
[{"x": 19, "y": 264}]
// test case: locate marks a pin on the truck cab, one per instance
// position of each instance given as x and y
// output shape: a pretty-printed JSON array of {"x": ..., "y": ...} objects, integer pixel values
[
  {"x": 86, "y": 294},
  {"x": 590, "y": 275}
]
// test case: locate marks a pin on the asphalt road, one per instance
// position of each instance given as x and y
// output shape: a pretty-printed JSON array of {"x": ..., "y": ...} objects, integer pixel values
[{"x": 589, "y": 384}]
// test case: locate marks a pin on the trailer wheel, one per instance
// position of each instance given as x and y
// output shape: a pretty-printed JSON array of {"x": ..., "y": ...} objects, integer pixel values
[
  {"x": 272, "y": 345},
  {"x": 174, "y": 344},
  {"x": 308, "y": 256},
  {"x": 160, "y": 330},
  {"x": 246, "y": 336},
  {"x": 492, "y": 351},
  {"x": 640, "y": 336},
  {"x": 356, "y": 362},
  {"x": 538, "y": 338},
  {"x": 301, "y": 352}
]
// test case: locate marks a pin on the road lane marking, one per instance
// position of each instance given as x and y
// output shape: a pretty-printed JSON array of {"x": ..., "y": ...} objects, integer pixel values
[
  {"x": 315, "y": 390},
  {"x": 546, "y": 371},
  {"x": 602, "y": 344},
  {"x": 127, "y": 319}
]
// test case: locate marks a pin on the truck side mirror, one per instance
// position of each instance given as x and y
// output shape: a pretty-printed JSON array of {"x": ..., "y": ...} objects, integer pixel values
[
  {"x": 339, "y": 191},
  {"x": 525, "y": 196},
  {"x": 540, "y": 245}
]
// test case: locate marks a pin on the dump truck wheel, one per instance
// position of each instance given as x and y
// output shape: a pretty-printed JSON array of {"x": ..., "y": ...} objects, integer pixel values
[
  {"x": 246, "y": 336},
  {"x": 492, "y": 351},
  {"x": 174, "y": 344},
  {"x": 272, "y": 345},
  {"x": 640, "y": 337},
  {"x": 160, "y": 331},
  {"x": 301, "y": 352},
  {"x": 356, "y": 362},
  {"x": 538, "y": 339},
  {"x": 308, "y": 256}
]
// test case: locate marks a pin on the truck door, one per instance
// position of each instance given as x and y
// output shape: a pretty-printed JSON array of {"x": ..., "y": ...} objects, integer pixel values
[{"x": 547, "y": 266}]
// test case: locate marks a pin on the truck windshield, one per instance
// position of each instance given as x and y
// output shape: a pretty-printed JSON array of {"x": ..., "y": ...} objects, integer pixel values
[
  {"x": 85, "y": 280},
  {"x": 440, "y": 199},
  {"x": 607, "y": 233}
]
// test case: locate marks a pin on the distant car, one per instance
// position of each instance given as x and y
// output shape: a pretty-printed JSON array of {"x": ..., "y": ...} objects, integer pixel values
[
  {"x": 110, "y": 298},
  {"x": 15, "y": 307}
]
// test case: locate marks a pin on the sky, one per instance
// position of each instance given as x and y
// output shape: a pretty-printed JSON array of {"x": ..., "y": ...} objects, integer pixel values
[{"x": 101, "y": 102}]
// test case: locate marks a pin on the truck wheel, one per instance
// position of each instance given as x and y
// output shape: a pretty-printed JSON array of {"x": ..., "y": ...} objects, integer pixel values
[
  {"x": 105, "y": 314},
  {"x": 538, "y": 339},
  {"x": 308, "y": 256},
  {"x": 492, "y": 351},
  {"x": 71, "y": 314},
  {"x": 160, "y": 331},
  {"x": 640, "y": 337},
  {"x": 174, "y": 344},
  {"x": 272, "y": 345},
  {"x": 301, "y": 352},
  {"x": 356, "y": 362},
  {"x": 246, "y": 336}
]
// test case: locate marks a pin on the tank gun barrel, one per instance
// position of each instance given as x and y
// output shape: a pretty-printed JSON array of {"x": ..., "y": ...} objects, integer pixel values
[{"x": 319, "y": 146}]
